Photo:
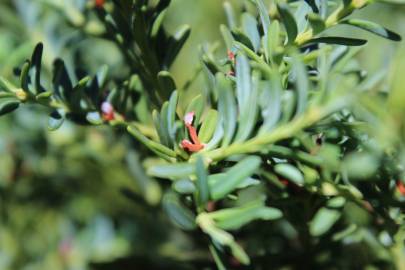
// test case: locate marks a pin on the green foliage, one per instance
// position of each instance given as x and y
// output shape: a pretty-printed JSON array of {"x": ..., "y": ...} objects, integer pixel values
[{"x": 291, "y": 158}]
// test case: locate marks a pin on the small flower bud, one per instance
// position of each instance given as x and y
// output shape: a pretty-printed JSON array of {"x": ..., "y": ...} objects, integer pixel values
[
  {"x": 107, "y": 111},
  {"x": 188, "y": 118},
  {"x": 21, "y": 94}
]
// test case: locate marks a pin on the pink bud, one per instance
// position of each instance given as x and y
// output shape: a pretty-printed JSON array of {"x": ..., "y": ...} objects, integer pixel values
[
  {"x": 106, "y": 107},
  {"x": 188, "y": 118}
]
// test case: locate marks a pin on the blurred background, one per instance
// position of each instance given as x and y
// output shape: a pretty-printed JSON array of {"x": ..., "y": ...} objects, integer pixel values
[{"x": 61, "y": 193}]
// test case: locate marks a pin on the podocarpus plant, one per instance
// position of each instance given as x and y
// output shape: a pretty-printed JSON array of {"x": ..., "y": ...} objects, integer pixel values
[{"x": 288, "y": 158}]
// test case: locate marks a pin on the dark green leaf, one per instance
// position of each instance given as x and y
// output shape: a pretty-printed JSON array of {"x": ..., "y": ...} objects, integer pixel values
[
  {"x": 289, "y": 22},
  {"x": 242, "y": 38},
  {"x": 373, "y": 28},
  {"x": 301, "y": 84},
  {"x": 226, "y": 107},
  {"x": 234, "y": 176},
  {"x": 237, "y": 217},
  {"x": 171, "y": 116},
  {"x": 178, "y": 214},
  {"x": 36, "y": 61},
  {"x": 230, "y": 15},
  {"x": 290, "y": 172},
  {"x": 203, "y": 192},
  {"x": 24, "y": 75},
  {"x": 312, "y": 4},
  {"x": 270, "y": 101},
  {"x": 324, "y": 220},
  {"x": 208, "y": 126},
  {"x": 338, "y": 40},
  {"x": 360, "y": 165},
  {"x": 197, "y": 106},
  {"x": 172, "y": 171},
  {"x": 55, "y": 120},
  {"x": 248, "y": 113},
  {"x": 249, "y": 25},
  {"x": 317, "y": 23},
  {"x": 264, "y": 15},
  {"x": 184, "y": 186},
  {"x": 8, "y": 105},
  {"x": 166, "y": 83},
  {"x": 158, "y": 148},
  {"x": 176, "y": 43}
]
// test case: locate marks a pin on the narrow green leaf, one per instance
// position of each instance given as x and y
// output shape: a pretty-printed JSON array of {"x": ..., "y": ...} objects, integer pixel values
[
  {"x": 164, "y": 123},
  {"x": 36, "y": 60},
  {"x": 344, "y": 233},
  {"x": 317, "y": 23},
  {"x": 8, "y": 105},
  {"x": 313, "y": 5},
  {"x": 338, "y": 40},
  {"x": 162, "y": 135},
  {"x": 272, "y": 40},
  {"x": 171, "y": 117},
  {"x": 359, "y": 166},
  {"x": 234, "y": 176},
  {"x": 243, "y": 81},
  {"x": 264, "y": 15},
  {"x": 270, "y": 101},
  {"x": 208, "y": 126},
  {"x": 213, "y": 179},
  {"x": 217, "y": 136},
  {"x": 227, "y": 36},
  {"x": 290, "y": 172},
  {"x": 222, "y": 237},
  {"x": 288, "y": 105},
  {"x": 178, "y": 214},
  {"x": 373, "y": 28},
  {"x": 230, "y": 15},
  {"x": 203, "y": 192},
  {"x": 176, "y": 43},
  {"x": 102, "y": 76},
  {"x": 220, "y": 265},
  {"x": 24, "y": 75},
  {"x": 301, "y": 84},
  {"x": 226, "y": 108},
  {"x": 289, "y": 22},
  {"x": 241, "y": 37},
  {"x": 94, "y": 118},
  {"x": 166, "y": 83},
  {"x": 197, "y": 106},
  {"x": 158, "y": 148},
  {"x": 43, "y": 96},
  {"x": 150, "y": 189},
  {"x": 157, "y": 24},
  {"x": 7, "y": 85},
  {"x": 249, "y": 25},
  {"x": 184, "y": 186},
  {"x": 171, "y": 171},
  {"x": 247, "y": 115},
  {"x": 236, "y": 217},
  {"x": 55, "y": 120},
  {"x": 62, "y": 84},
  {"x": 324, "y": 220}
]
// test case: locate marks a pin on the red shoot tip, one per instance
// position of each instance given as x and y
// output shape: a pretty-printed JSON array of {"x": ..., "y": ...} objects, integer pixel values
[
  {"x": 191, "y": 147},
  {"x": 99, "y": 3},
  {"x": 401, "y": 187},
  {"x": 231, "y": 55}
]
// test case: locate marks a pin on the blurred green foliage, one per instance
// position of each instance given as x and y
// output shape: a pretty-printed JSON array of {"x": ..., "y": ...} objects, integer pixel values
[{"x": 75, "y": 198}]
